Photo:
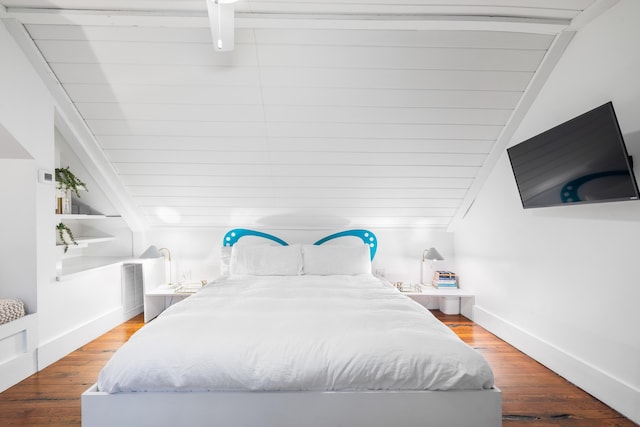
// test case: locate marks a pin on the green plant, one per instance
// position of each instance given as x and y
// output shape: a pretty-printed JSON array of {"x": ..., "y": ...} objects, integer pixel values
[
  {"x": 61, "y": 227},
  {"x": 67, "y": 180}
]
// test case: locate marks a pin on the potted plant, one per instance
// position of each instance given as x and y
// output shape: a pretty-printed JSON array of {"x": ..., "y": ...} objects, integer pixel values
[
  {"x": 64, "y": 232},
  {"x": 66, "y": 182}
]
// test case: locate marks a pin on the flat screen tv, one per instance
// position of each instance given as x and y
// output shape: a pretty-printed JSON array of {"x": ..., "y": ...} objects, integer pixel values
[{"x": 583, "y": 160}]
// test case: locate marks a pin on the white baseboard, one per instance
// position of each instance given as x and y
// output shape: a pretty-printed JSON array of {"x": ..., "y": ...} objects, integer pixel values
[
  {"x": 133, "y": 312},
  {"x": 58, "y": 347},
  {"x": 619, "y": 395}
]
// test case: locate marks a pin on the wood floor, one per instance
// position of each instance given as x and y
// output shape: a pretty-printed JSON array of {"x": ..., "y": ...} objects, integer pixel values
[{"x": 533, "y": 396}]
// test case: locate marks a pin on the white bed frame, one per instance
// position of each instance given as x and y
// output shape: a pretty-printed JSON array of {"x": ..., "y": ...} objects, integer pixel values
[
  {"x": 456, "y": 408},
  {"x": 482, "y": 408}
]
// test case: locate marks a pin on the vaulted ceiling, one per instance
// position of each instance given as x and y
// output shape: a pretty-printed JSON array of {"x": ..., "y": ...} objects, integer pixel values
[{"x": 326, "y": 113}]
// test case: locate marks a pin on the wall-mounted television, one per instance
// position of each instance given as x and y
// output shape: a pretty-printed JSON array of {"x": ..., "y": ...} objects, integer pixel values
[{"x": 583, "y": 160}]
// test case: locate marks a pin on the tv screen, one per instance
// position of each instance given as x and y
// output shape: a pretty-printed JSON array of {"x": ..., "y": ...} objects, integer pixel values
[{"x": 583, "y": 160}]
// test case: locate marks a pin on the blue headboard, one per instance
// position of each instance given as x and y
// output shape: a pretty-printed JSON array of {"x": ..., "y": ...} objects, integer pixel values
[
  {"x": 234, "y": 235},
  {"x": 369, "y": 239}
]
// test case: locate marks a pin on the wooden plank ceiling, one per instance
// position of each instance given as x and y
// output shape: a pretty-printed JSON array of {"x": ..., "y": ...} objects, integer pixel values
[{"x": 300, "y": 125}]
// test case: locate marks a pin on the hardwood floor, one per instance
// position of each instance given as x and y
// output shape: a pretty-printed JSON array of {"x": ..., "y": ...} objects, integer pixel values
[
  {"x": 51, "y": 397},
  {"x": 532, "y": 395}
]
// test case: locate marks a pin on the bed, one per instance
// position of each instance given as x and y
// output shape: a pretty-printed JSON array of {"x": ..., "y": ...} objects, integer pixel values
[{"x": 295, "y": 335}]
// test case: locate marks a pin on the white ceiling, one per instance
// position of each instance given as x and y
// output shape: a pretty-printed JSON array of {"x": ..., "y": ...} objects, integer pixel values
[{"x": 327, "y": 113}]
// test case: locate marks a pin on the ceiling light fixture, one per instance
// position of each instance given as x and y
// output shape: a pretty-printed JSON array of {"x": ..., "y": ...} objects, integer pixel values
[{"x": 221, "y": 20}]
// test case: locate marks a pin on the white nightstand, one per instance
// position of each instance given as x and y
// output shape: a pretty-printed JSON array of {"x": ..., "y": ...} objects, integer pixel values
[
  {"x": 447, "y": 298},
  {"x": 159, "y": 299}
]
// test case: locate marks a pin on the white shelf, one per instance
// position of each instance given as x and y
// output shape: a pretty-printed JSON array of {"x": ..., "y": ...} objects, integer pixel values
[
  {"x": 466, "y": 299},
  {"x": 158, "y": 299},
  {"x": 84, "y": 241},
  {"x": 163, "y": 292},
  {"x": 80, "y": 216},
  {"x": 73, "y": 266},
  {"x": 441, "y": 292},
  {"x": 88, "y": 240},
  {"x": 69, "y": 264}
]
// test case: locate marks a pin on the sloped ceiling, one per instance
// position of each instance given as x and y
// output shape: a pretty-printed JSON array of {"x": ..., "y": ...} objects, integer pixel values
[{"x": 327, "y": 113}]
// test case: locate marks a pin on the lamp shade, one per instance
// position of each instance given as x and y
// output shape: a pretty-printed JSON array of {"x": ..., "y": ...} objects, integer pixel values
[
  {"x": 432, "y": 254},
  {"x": 151, "y": 252}
]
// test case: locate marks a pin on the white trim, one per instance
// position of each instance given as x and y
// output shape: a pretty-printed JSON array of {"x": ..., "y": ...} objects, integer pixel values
[
  {"x": 589, "y": 14},
  {"x": 618, "y": 394},
  {"x": 536, "y": 84},
  {"x": 290, "y": 20},
  {"x": 60, "y": 346},
  {"x": 404, "y": 22}
]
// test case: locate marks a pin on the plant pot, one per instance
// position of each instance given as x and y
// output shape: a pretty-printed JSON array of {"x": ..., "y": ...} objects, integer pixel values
[
  {"x": 67, "y": 237},
  {"x": 66, "y": 240},
  {"x": 63, "y": 201}
]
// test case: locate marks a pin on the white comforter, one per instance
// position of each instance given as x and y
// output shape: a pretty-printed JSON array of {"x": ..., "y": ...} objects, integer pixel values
[{"x": 295, "y": 333}]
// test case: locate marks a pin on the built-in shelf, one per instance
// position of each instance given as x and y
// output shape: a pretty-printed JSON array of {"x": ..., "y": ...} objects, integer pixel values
[
  {"x": 80, "y": 216},
  {"x": 78, "y": 265},
  {"x": 68, "y": 263},
  {"x": 84, "y": 241},
  {"x": 97, "y": 239}
]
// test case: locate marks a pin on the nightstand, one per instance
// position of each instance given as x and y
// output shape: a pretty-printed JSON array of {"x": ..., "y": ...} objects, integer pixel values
[
  {"x": 159, "y": 299},
  {"x": 449, "y": 299}
]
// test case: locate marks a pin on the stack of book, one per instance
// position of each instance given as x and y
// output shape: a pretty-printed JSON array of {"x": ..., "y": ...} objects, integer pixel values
[{"x": 444, "y": 279}]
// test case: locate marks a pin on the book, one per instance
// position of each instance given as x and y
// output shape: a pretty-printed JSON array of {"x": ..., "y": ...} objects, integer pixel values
[
  {"x": 440, "y": 286},
  {"x": 444, "y": 275},
  {"x": 444, "y": 279}
]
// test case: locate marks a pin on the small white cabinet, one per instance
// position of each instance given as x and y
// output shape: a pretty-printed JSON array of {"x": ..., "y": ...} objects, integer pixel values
[{"x": 132, "y": 287}]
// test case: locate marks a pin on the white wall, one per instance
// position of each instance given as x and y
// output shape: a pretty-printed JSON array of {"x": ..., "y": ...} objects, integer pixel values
[
  {"x": 17, "y": 216},
  {"x": 562, "y": 283},
  {"x": 77, "y": 310},
  {"x": 26, "y": 117},
  {"x": 26, "y": 113},
  {"x": 70, "y": 313}
]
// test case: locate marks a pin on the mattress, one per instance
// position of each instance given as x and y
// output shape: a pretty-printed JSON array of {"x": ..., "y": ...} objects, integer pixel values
[{"x": 295, "y": 333}]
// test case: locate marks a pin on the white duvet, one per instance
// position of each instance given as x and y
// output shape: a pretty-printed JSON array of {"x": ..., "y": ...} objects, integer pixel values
[{"x": 295, "y": 333}]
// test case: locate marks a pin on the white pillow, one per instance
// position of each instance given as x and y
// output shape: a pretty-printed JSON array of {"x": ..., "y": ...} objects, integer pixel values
[
  {"x": 266, "y": 260},
  {"x": 325, "y": 260}
]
